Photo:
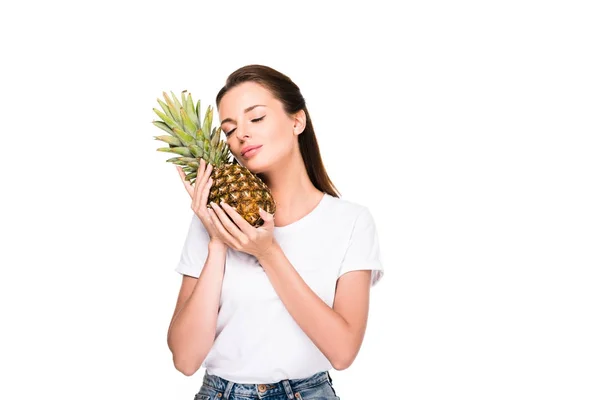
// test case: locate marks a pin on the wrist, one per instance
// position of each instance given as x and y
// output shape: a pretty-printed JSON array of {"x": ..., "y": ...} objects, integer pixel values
[
  {"x": 268, "y": 253},
  {"x": 217, "y": 247}
]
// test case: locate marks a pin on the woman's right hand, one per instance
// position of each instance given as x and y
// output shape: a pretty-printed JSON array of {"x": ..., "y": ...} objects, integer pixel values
[{"x": 199, "y": 194}]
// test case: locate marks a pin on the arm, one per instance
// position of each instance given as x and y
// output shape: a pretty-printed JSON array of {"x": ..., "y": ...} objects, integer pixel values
[
  {"x": 337, "y": 332},
  {"x": 194, "y": 323}
]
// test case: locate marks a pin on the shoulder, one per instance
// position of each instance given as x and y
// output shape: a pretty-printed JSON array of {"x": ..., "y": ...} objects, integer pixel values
[{"x": 347, "y": 210}]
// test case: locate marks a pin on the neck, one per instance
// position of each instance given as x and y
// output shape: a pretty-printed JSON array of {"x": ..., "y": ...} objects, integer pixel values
[{"x": 291, "y": 187}]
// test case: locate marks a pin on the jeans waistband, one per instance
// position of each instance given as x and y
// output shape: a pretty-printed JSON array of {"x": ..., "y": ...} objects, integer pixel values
[{"x": 286, "y": 386}]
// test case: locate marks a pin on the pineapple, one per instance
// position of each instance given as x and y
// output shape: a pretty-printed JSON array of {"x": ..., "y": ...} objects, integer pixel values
[{"x": 192, "y": 140}]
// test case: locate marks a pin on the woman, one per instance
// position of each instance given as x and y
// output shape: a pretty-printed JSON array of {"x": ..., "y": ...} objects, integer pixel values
[{"x": 269, "y": 310}]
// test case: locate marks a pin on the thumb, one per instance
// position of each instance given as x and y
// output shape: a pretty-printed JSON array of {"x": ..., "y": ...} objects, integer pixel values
[{"x": 268, "y": 218}]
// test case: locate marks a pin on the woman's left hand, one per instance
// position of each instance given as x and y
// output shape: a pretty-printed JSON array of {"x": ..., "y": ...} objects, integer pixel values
[{"x": 239, "y": 234}]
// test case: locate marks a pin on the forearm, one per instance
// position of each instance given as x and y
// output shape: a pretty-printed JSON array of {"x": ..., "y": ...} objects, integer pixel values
[
  {"x": 193, "y": 329},
  {"x": 326, "y": 328}
]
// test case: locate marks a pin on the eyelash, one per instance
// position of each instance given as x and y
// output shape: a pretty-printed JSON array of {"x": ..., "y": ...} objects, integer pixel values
[{"x": 254, "y": 120}]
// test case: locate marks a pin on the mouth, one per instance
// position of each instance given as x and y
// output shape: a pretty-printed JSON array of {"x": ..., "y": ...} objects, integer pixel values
[{"x": 251, "y": 151}]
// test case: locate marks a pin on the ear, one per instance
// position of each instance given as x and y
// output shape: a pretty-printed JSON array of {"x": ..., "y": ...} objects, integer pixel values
[{"x": 299, "y": 122}]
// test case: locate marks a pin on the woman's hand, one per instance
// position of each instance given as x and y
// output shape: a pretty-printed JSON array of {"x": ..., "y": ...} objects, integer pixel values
[
  {"x": 239, "y": 234},
  {"x": 199, "y": 194}
]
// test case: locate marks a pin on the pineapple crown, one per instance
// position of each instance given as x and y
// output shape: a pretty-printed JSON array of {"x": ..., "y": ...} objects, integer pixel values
[{"x": 187, "y": 136}]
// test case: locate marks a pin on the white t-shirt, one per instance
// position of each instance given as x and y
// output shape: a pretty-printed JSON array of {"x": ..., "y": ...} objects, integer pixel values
[{"x": 257, "y": 340}]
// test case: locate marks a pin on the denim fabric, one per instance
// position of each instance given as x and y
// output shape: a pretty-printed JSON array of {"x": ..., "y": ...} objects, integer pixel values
[{"x": 316, "y": 387}]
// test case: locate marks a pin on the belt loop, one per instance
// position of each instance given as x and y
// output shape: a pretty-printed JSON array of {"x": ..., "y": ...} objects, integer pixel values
[
  {"x": 288, "y": 388},
  {"x": 228, "y": 390},
  {"x": 329, "y": 377}
]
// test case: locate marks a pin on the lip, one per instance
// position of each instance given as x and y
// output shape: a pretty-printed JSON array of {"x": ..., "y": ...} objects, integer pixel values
[{"x": 248, "y": 148}]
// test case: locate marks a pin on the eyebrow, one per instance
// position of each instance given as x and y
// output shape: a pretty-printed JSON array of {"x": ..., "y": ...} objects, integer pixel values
[{"x": 245, "y": 111}]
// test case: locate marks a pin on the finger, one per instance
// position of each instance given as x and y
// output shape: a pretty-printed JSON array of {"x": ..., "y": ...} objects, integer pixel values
[
  {"x": 268, "y": 218},
  {"x": 241, "y": 223},
  {"x": 200, "y": 206},
  {"x": 201, "y": 188},
  {"x": 210, "y": 226},
  {"x": 228, "y": 224},
  {"x": 199, "y": 175},
  {"x": 187, "y": 184},
  {"x": 205, "y": 193},
  {"x": 225, "y": 235}
]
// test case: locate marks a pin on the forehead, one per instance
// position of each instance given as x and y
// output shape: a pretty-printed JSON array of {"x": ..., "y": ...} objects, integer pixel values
[{"x": 242, "y": 96}]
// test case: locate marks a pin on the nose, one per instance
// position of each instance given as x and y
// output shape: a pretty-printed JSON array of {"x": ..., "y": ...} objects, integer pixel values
[{"x": 242, "y": 133}]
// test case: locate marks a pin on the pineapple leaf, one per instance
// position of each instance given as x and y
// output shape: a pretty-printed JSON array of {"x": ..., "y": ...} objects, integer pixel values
[
  {"x": 190, "y": 176},
  {"x": 178, "y": 105},
  {"x": 183, "y": 151},
  {"x": 188, "y": 125},
  {"x": 188, "y": 159},
  {"x": 165, "y": 108},
  {"x": 164, "y": 127},
  {"x": 198, "y": 112},
  {"x": 170, "y": 123},
  {"x": 196, "y": 150},
  {"x": 172, "y": 107},
  {"x": 169, "y": 139},
  {"x": 220, "y": 152},
  {"x": 191, "y": 112},
  {"x": 183, "y": 98},
  {"x": 214, "y": 138},
  {"x": 207, "y": 121},
  {"x": 226, "y": 153},
  {"x": 183, "y": 136}
]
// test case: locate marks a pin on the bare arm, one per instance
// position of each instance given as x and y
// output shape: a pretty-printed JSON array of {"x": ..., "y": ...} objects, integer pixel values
[
  {"x": 193, "y": 326},
  {"x": 339, "y": 331}
]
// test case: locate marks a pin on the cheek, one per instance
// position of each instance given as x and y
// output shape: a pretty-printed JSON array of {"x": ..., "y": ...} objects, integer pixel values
[
  {"x": 273, "y": 154},
  {"x": 281, "y": 147}
]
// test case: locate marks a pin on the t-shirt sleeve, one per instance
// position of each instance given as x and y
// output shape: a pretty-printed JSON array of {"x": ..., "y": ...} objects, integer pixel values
[
  {"x": 195, "y": 249},
  {"x": 363, "y": 248}
]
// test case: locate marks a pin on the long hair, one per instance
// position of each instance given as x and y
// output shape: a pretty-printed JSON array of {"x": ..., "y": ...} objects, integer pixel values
[{"x": 286, "y": 91}]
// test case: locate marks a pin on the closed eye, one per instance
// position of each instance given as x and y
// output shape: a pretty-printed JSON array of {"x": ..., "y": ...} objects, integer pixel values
[{"x": 254, "y": 120}]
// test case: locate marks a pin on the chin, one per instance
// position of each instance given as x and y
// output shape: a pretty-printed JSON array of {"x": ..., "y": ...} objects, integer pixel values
[{"x": 255, "y": 166}]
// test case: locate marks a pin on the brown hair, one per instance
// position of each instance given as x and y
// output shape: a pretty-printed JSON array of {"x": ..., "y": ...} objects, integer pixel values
[{"x": 286, "y": 91}]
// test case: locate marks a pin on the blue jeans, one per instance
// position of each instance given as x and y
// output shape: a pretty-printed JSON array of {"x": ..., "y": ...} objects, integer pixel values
[{"x": 315, "y": 387}]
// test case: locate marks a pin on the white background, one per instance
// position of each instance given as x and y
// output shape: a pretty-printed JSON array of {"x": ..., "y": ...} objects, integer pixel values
[{"x": 470, "y": 130}]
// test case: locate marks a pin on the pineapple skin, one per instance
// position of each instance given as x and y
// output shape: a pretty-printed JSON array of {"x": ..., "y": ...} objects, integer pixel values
[{"x": 237, "y": 186}]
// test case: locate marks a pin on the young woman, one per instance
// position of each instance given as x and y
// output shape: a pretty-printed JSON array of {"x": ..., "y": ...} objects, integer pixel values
[{"x": 269, "y": 311}]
